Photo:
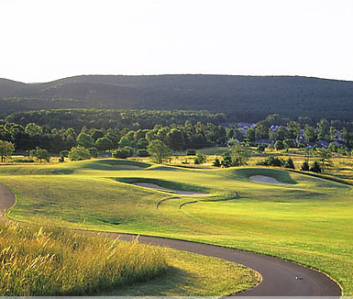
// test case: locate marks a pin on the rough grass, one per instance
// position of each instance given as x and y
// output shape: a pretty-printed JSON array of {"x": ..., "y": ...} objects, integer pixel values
[
  {"x": 55, "y": 262},
  {"x": 309, "y": 222}
]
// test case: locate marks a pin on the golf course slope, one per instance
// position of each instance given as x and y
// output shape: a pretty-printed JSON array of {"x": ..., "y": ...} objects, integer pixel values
[{"x": 279, "y": 277}]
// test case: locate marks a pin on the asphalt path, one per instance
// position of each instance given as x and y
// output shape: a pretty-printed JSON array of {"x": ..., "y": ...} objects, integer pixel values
[{"x": 279, "y": 277}]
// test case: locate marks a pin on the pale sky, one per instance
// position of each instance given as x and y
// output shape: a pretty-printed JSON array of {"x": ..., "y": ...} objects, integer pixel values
[{"x": 42, "y": 40}]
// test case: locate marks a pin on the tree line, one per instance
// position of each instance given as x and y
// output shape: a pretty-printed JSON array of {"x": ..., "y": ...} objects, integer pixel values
[{"x": 128, "y": 141}]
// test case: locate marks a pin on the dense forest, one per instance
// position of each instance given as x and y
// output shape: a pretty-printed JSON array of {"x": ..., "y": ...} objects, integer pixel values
[
  {"x": 242, "y": 98},
  {"x": 58, "y": 130},
  {"x": 101, "y": 130},
  {"x": 117, "y": 119}
]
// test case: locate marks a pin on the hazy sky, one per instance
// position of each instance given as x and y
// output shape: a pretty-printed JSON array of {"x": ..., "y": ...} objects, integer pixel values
[{"x": 42, "y": 40}]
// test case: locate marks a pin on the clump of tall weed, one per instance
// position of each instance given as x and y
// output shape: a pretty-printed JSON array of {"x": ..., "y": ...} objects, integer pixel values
[{"x": 36, "y": 262}]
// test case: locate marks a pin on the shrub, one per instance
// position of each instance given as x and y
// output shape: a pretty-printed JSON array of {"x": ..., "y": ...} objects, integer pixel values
[
  {"x": 200, "y": 158},
  {"x": 142, "y": 153},
  {"x": 227, "y": 161},
  {"x": 316, "y": 167},
  {"x": 217, "y": 163},
  {"x": 279, "y": 145},
  {"x": 289, "y": 164},
  {"x": 93, "y": 152},
  {"x": 272, "y": 161},
  {"x": 79, "y": 153},
  {"x": 123, "y": 153},
  {"x": 305, "y": 166},
  {"x": 40, "y": 154}
]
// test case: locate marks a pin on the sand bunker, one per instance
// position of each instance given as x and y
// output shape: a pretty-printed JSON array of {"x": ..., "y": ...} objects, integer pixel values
[
  {"x": 127, "y": 166},
  {"x": 266, "y": 179},
  {"x": 154, "y": 186}
]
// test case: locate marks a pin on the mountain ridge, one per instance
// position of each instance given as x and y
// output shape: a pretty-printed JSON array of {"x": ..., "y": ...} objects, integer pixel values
[{"x": 244, "y": 98}]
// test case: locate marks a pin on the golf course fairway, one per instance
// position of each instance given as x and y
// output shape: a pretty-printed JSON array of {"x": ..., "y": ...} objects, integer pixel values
[{"x": 307, "y": 220}]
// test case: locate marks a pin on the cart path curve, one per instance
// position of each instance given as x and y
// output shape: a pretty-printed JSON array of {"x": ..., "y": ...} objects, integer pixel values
[{"x": 278, "y": 276}]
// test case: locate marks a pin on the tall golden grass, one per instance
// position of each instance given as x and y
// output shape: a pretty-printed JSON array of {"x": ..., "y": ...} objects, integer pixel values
[{"x": 36, "y": 262}]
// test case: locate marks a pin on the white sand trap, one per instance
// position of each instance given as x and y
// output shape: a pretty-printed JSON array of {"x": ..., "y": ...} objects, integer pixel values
[
  {"x": 127, "y": 166},
  {"x": 154, "y": 186},
  {"x": 266, "y": 179}
]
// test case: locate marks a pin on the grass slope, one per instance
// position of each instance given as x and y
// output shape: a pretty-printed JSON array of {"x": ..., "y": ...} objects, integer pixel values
[{"x": 309, "y": 221}]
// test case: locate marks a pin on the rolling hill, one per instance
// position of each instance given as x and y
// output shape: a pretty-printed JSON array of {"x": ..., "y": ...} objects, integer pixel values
[{"x": 242, "y": 98}]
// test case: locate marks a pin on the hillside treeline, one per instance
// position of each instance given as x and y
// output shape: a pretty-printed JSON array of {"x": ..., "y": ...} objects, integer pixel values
[
  {"x": 242, "y": 98},
  {"x": 105, "y": 119},
  {"x": 177, "y": 137}
]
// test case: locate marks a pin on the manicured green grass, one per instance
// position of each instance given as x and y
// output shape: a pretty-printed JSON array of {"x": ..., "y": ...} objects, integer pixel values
[
  {"x": 194, "y": 275},
  {"x": 308, "y": 221}
]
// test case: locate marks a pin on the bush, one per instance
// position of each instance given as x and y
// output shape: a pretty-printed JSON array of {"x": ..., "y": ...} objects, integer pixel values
[
  {"x": 305, "y": 166},
  {"x": 315, "y": 167},
  {"x": 290, "y": 143},
  {"x": 142, "y": 153},
  {"x": 217, "y": 163},
  {"x": 123, "y": 153},
  {"x": 40, "y": 154},
  {"x": 64, "y": 153},
  {"x": 23, "y": 160},
  {"x": 272, "y": 161},
  {"x": 279, "y": 145},
  {"x": 93, "y": 152},
  {"x": 289, "y": 164},
  {"x": 227, "y": 161},
  {"x": 79, "y": 153},
  {"x": 200, "y": 158}
]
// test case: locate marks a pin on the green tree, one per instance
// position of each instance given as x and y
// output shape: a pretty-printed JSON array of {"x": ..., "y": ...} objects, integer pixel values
[
  {"x": 240, "y": 154},
  {"x": 250, "y": 134},
  {"x": 309, "y": 133},
  {"x": 85, "y": 140},
  {"x": 78, "y": 153},
  {"x": 322, "y": 129},
  {"x": 33, "y": 129},
  {"x": 104, "y": 143},
  {"x": 294, "y": 130},
  {"x": 124, "y": 141},
  {"x": 159, "y": 151},
  {"x": 175, "y": 139},
  {"x": 289, "y": 164},
  {"x": 279, "y": 145},
  {"x": 325, "y": 158},
  {"x": 6, "y": 149},
  {"x": 123, "y": 152},
  {"x": 333, "y": 133},
  {"x": 40, "y": 154}
]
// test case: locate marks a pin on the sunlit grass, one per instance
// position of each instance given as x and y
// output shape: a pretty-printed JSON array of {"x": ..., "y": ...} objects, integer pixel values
[
  {"x": 308, "y": 221},
  {"x": 37, "y": 261}
]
